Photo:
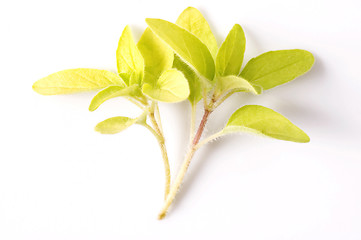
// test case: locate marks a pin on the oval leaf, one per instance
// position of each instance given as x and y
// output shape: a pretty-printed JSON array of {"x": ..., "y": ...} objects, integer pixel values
[
  {"x": 129, "y": 59},
  {"x": 112, "y": 92},
  {"x": 158, "y": 57},
  {"x": 194, "y": 83},
  {"x": 186, "y": 45},
  {"x": 230, "y": 55},
  {"x": 114, "y": 125},
  {"x": 277, "y": 67},
  {"x": 228, "y": 83},
  {"x": 170, "y": 87},
  {"x": 192, "y": 20},
  {"x": 265, "y": 121},
  {"x": 76, "y": 80}
]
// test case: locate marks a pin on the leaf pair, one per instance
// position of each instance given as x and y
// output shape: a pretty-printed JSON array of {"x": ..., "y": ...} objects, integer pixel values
[
  {"x": 229, "y": 62},
  {"x": 198, "y": 57},
  {"x": 193, "y": 58},
  {"x": 161, "y": 83},
  {"x": 145, "y": 68},
  {"x": 146, "y": 65},
  {"x": 195, "y": 44}
]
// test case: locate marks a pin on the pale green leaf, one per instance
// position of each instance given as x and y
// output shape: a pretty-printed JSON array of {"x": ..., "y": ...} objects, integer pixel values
[
  {"x": 186, "y": 45},
  {"x": 264, "y": 121},
  {"x": 158, "y": 57},
  {"x": 129, "y": 59},
  {"x": 195, "y": 86},
  {"x": 171, "y": 86},
  {"x": 235, "y": 83},
  {"x": 192, "y": 20},
  {"x": 126, "y": 77},
  {"x": 114, "y": 125},
  {"x": 117, "y": 124},
  {"x": 230, "y": 55},
  {"x": 277, "y": 67},
  {"x": 76, "y": 80},
  {"x": 135, "y": 79},
  {"x": 112, "y": 92}
]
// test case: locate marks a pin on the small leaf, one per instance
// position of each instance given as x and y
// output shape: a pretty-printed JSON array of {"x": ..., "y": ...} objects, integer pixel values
[
  {"x": 228, "y": 83},
  {"x": 192, "y": 20},
  {"x": 112, "y": 92},
  {"x": 265, "y": 121},
  {"x": 129, "y": 59},
  {"x": 76, "y": 80},
  {"x": 194, "y": 83},
  {"x": 186, "y": 45},
  {"x": 158, "y": 57},
  {"x": 170, "y": 87},
  {"x": 114, "y": 125},
  {"x": 230, "y": 55},
  {"x": 274, "y": 68}
]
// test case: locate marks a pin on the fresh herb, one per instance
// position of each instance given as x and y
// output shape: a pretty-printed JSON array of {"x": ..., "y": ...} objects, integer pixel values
[{"x": 174, "y": 62}]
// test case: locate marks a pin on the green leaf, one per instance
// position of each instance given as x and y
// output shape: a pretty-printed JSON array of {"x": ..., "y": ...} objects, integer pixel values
[
  {"x": 186, "y": 45},
  {"x": 158, "y": 57},
  {"x": 117, "y": 124},
  {"x": 265, "y": 121},
  {"x": 170, "y": 87},
  {"x": 129, "y": 59},
  {"x": 192, "y": 20},
  {"x": 126, "y": 77},
  {"x": 114, "y": 125},
  {"x": 112, "y": 92},
  {"x": 76, "y": 80},
  {"x": 194, "y": 83},
  {"x": 228, "y": 83},
  {"x": 274, "y": 68},
  {"x": 230, "y": 55},
  {"x": 135, "y": 79}
]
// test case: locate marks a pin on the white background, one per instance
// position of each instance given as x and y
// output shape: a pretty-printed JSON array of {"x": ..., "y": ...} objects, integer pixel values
[{"x": 59, "y": 179}]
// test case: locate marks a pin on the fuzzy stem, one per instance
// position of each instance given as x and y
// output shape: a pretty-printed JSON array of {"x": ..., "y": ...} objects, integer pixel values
[
  {"x": 157, "y": 117},
  {"x": 166, "y": 168},
  {"x": 178, "y": 181},
  {"x": 208, "y": 139},
  {"x": 223, "y": 98},
  {"x": 193, "y": 121},
  {"x": 163, "y": 149},
  {"x": 156, "y": 135}
]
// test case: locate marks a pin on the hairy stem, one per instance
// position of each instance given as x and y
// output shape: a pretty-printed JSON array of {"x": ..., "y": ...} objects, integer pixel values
[
  {"x": 208, "y": 139},
  {"x": 157, "y": 117},
  {"x": 193, "y": 121},
  {"x": 223, "y": 98},
  {"x": 163, "y": 149},
  {"x": 166, "y": 168},
  {"x": 178, "y": 181}
]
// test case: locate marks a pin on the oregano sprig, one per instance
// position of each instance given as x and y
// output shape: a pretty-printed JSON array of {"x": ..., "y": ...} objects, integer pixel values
[{"x": 173, "y": 62}]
